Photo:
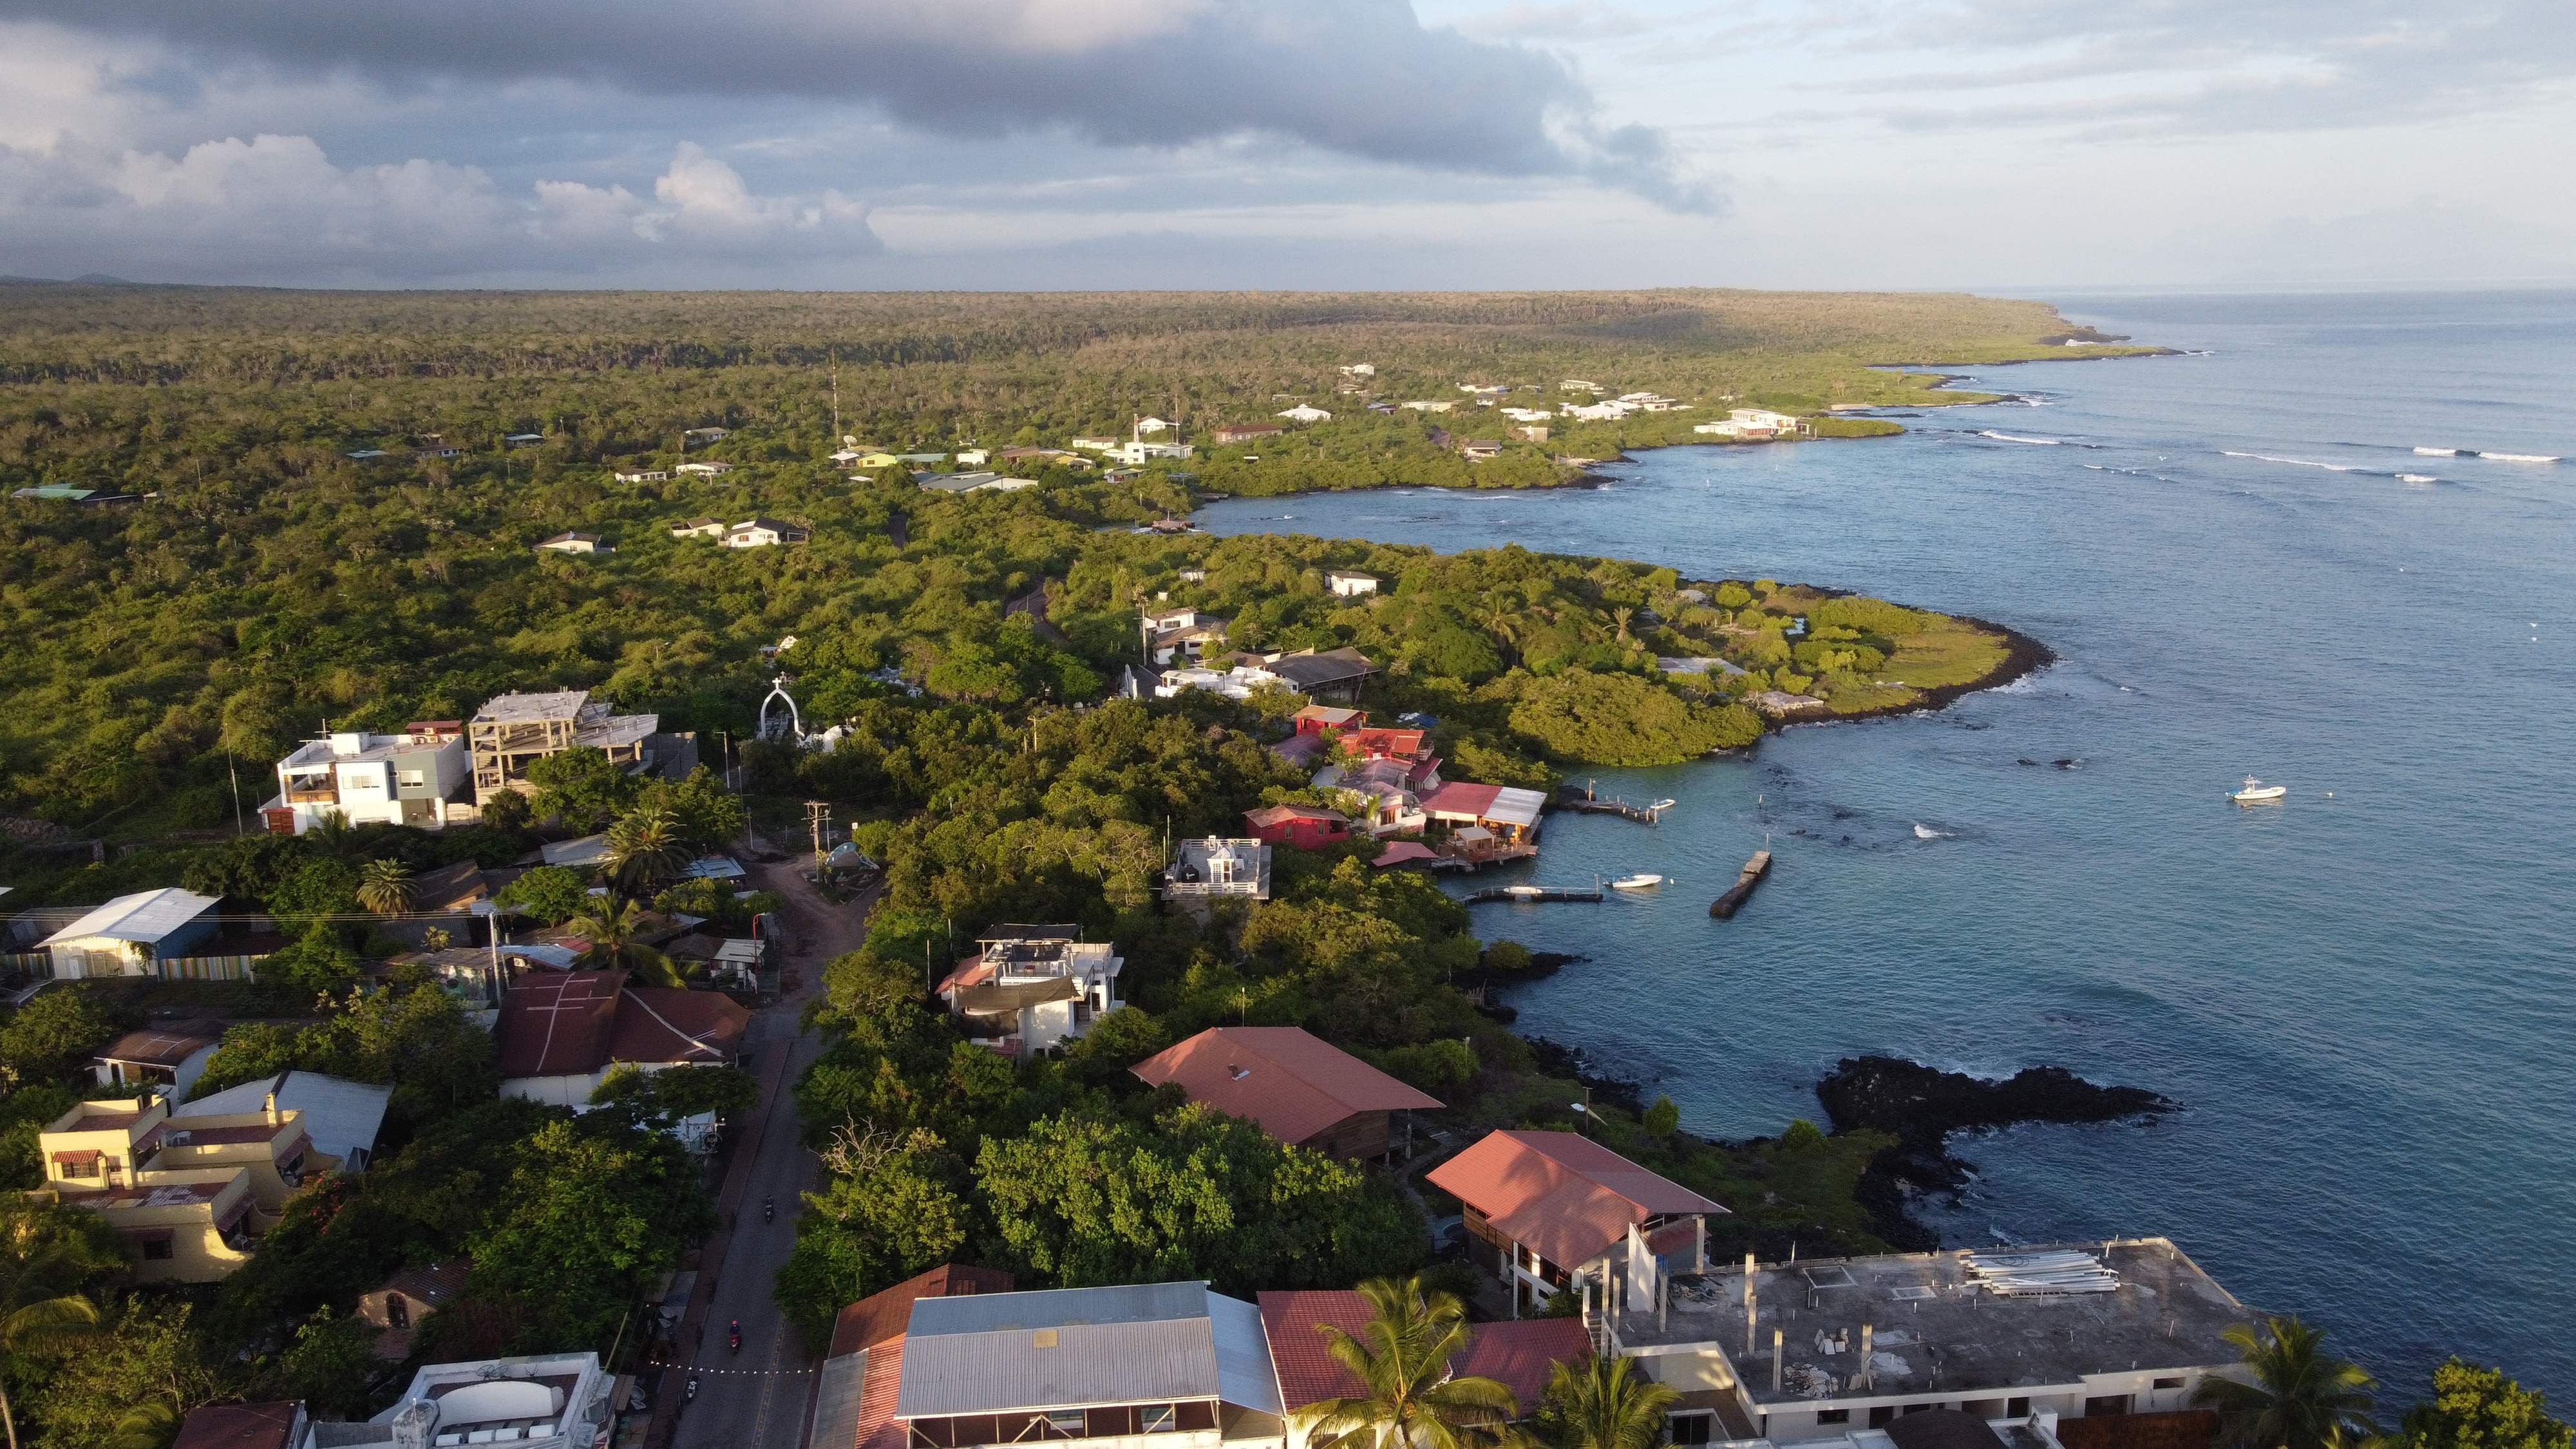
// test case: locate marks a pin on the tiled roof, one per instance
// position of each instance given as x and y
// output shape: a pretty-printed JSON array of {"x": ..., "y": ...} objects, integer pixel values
[
  {"x": 1565, "y": 1195},
  {"x": 1522, "y": 1356},
  {"x": 1289, "y": 1081},
  {"x": 881, "y": 1316}
]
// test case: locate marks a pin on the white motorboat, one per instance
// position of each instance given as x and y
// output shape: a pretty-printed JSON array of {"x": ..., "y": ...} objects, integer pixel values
[
  {"x": 1640, "y": 881},
  {"x": 2258, "y": 793}
]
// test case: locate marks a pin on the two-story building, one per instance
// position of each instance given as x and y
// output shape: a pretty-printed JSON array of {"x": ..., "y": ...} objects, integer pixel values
[
  {"x": 536, "y": 1401},
  {"x": 560, "y": 1033},
  {"x": 191, "y": 1193},
  {"x": 1032, "y": 987},
  {"x": 1218, "y": 868},
  {"x": 1830, "y": 1349},
  {"x": 1521, "y": 1356},
  {"x": 417, "y": 778},
  {"x": 1551, "y": 1212}
]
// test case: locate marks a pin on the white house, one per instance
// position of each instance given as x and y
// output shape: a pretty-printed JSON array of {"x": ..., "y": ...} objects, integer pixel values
[
  {"x": 1425, "y": 405},
  {"x": 1596, "y": 412},
  {"x": 1305, "y": 413},
  {"x": 1528, "y": 415},
  {"x": 974, "y": 457},
  {"x": 1724, "y": 429},
  {"x": 1146, "y": 427},
  {"x": 643, "y": 475},
  {"x": 972, "y": 482},
  {"x": 1240, "y": 682},
  {"x": 572, "y": 542},
  {"x": 168, "y": 1060},
  {"x": 1033, "y": 987},
  {"x": 1094, "y": 444},
  {"x": 707, "y": 470},
  {"x": 1359, "y": 369},
  {"x": 131, "y": 934},
  {"x": 1764, "y": 423},
  {"x": 542, "y": 1401},
  {"x": 404, "y": 779},
  {"x": 1350, "y": 585},
  {"x": 763, "y": 533},
  {"x": 699, "y": 527},
  {"x": 1218, "y": 867},
  {"x": 1138, "y": 452}
]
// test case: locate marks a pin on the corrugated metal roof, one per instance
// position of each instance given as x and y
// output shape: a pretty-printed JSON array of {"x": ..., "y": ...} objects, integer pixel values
[
  {"x": 339, "y": 1115},
  {"x": 1080, "y": 1347},
  {"x": 146, "y": 916}
]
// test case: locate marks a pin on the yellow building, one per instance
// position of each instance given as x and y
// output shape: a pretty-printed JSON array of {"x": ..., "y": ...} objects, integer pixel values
[{"x": 191, "y": 1193}]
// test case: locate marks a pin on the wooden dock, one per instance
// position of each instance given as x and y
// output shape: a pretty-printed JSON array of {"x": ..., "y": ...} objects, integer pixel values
[
  {"x": 1584, "y": 801},
  {"x": 1530, "y": 895},
  {"x": 1754, "y": 870}
]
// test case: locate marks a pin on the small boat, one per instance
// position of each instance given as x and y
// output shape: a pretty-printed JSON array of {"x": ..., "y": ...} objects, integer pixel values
[
  {"x": 1661, "y": 805},
  {"x": 1642, "y": 880},
  {"x": 2258, "y": 793},
  {"x": 1524, "y": 892}
]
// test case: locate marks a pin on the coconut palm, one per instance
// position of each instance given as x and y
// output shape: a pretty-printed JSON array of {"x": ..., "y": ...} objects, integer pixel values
[
  {"x": 330, "y": 833},
  {"x": 645, "y": 850},
  {"x": 385, "y": 888},
  {"x": 38, "y": 1308},
  {"x": 1604, "y": 1403},
  {"x": 1402, "y": 1362},
  {"x": 2300, "y": 1397},
  {"x": 616, "y": 940}
]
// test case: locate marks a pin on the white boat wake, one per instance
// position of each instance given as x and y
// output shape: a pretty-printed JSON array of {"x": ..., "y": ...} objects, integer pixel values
[
  {"x": 1926, "y": 832},
  {"x": 2010, "y": 438},
  {"x": 2520, "y": 457},
  {"x": 2417, "y": 478},
  {"x": 2439, "y": 452}
]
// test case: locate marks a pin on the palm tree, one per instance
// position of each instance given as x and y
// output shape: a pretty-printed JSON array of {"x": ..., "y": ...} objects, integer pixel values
[
  {"x": 616, "y": 940},
  {"x": 2301, "y": 1396},
  {"x": 36, "y": 1313},
  {"x": 330, "y": 833},
  {"x": 1621, "y": 616},
  {"x": 1402, "y": 1361},
  {"x": 645, "y": 850},
  {"x": 385, "y": 888},
  {"x": 1605, "y": 1404}
]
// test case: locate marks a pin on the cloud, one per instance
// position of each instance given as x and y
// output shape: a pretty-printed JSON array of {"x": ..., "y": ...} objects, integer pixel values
[
  {"x": 2218, "y": 67},
  {"x": 275, "y": 208},
  {"x": 1364, "y": 78}
]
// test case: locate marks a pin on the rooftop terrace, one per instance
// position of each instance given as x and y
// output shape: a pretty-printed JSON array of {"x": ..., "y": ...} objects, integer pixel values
[{"x": 1937, "y": 1327}]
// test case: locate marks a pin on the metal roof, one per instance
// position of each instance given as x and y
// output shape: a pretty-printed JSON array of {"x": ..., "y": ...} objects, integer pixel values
[
  {"x": 1080, "y": 1347},
  {"x": 340, "y": 1116},
  {"x": 146, "y": 916}
]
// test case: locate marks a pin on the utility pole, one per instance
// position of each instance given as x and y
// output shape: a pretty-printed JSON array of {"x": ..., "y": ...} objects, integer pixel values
[
  {"x": 836, "y": 402},
  {"x": 814, "y": 817},
  {"x": 232, "y": 767}
]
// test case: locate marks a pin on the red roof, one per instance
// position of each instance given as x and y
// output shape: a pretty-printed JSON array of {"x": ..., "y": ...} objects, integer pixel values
[
  {"x": 1522, "y": 1355},
  {"x": 1563, "y": 1194},
  {"x": 1460, "y": 797},
  {"x": 880, "y": 1383},
  {"x": 238, "y": 1426},
  {"x": 883, "y": 1316},
  {"x": 572, "y": 1023},
  {"x": 1286, "y": 1079},
  {"x": 1404, "y": 852}
]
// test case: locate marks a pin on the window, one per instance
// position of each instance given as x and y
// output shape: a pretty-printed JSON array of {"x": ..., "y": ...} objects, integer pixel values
[
  {"x": 85, "y": 1167},
  {"x": 1833, "y": 1416},
  {"x": 1919, "y": 1408},
  {"x": 156, "y": 1249},
  {"x": 2016, "y": 1408},
  {"x": 412, "y": 779},
  {"x": 1159, "y": 1418},
  {"x": 2105, "y": 1404},
  {"x": 397, "y": 1310},
  {"x": 2172, "y": 1383},
  {"x": 1689, "y": 1428},
  {"x": 1882, "y": 1416}
]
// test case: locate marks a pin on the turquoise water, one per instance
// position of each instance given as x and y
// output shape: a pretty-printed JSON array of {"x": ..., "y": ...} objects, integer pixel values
[{"x": 2360, "y": 996}]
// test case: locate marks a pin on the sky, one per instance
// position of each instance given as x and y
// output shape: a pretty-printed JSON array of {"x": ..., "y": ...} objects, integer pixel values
[{"x": 1999, "y": 145}]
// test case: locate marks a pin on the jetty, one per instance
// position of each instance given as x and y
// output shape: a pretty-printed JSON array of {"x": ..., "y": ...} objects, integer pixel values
[
  {"x": 1531, "y": 895},
  {"x": 1754, "y": 870},
  {"x": 1584, "y": 801}
]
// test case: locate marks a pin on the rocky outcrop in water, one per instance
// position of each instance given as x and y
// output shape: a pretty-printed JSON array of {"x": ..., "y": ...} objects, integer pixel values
[{"x": 1921, "y": 1106}]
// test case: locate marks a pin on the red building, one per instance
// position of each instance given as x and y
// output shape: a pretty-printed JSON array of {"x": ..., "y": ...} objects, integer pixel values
[{"x": 1302, "y": 826}]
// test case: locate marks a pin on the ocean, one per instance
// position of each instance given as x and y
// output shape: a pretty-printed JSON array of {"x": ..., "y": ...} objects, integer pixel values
[{"x": 2247, "y": 564}]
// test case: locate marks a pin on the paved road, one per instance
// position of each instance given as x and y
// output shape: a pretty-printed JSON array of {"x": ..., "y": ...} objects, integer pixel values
[{"x": 757, "y": 1397}]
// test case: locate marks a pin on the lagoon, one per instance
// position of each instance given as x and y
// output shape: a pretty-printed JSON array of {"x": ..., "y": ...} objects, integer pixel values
[{"x": 2361, "y": 996}]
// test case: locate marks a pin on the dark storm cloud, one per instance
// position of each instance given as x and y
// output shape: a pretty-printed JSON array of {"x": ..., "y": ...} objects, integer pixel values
[{"x": 1364, "y": 78}]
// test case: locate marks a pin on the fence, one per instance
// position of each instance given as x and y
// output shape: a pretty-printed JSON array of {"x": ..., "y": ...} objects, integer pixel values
[{"x": 210, "y": 968}]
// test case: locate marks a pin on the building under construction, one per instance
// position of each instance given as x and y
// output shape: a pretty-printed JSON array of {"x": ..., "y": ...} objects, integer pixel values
[{"x": 514, "y": 731}]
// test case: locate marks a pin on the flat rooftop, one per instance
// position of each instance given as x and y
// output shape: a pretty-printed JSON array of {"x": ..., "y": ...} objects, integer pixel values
[
  {"x": 514, "y": 708},
  {"x": 1936, "y": 1328}
]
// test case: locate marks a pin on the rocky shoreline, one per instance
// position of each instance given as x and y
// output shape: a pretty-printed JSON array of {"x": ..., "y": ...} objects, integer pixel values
[{"x": 1922, "y": 1107}]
